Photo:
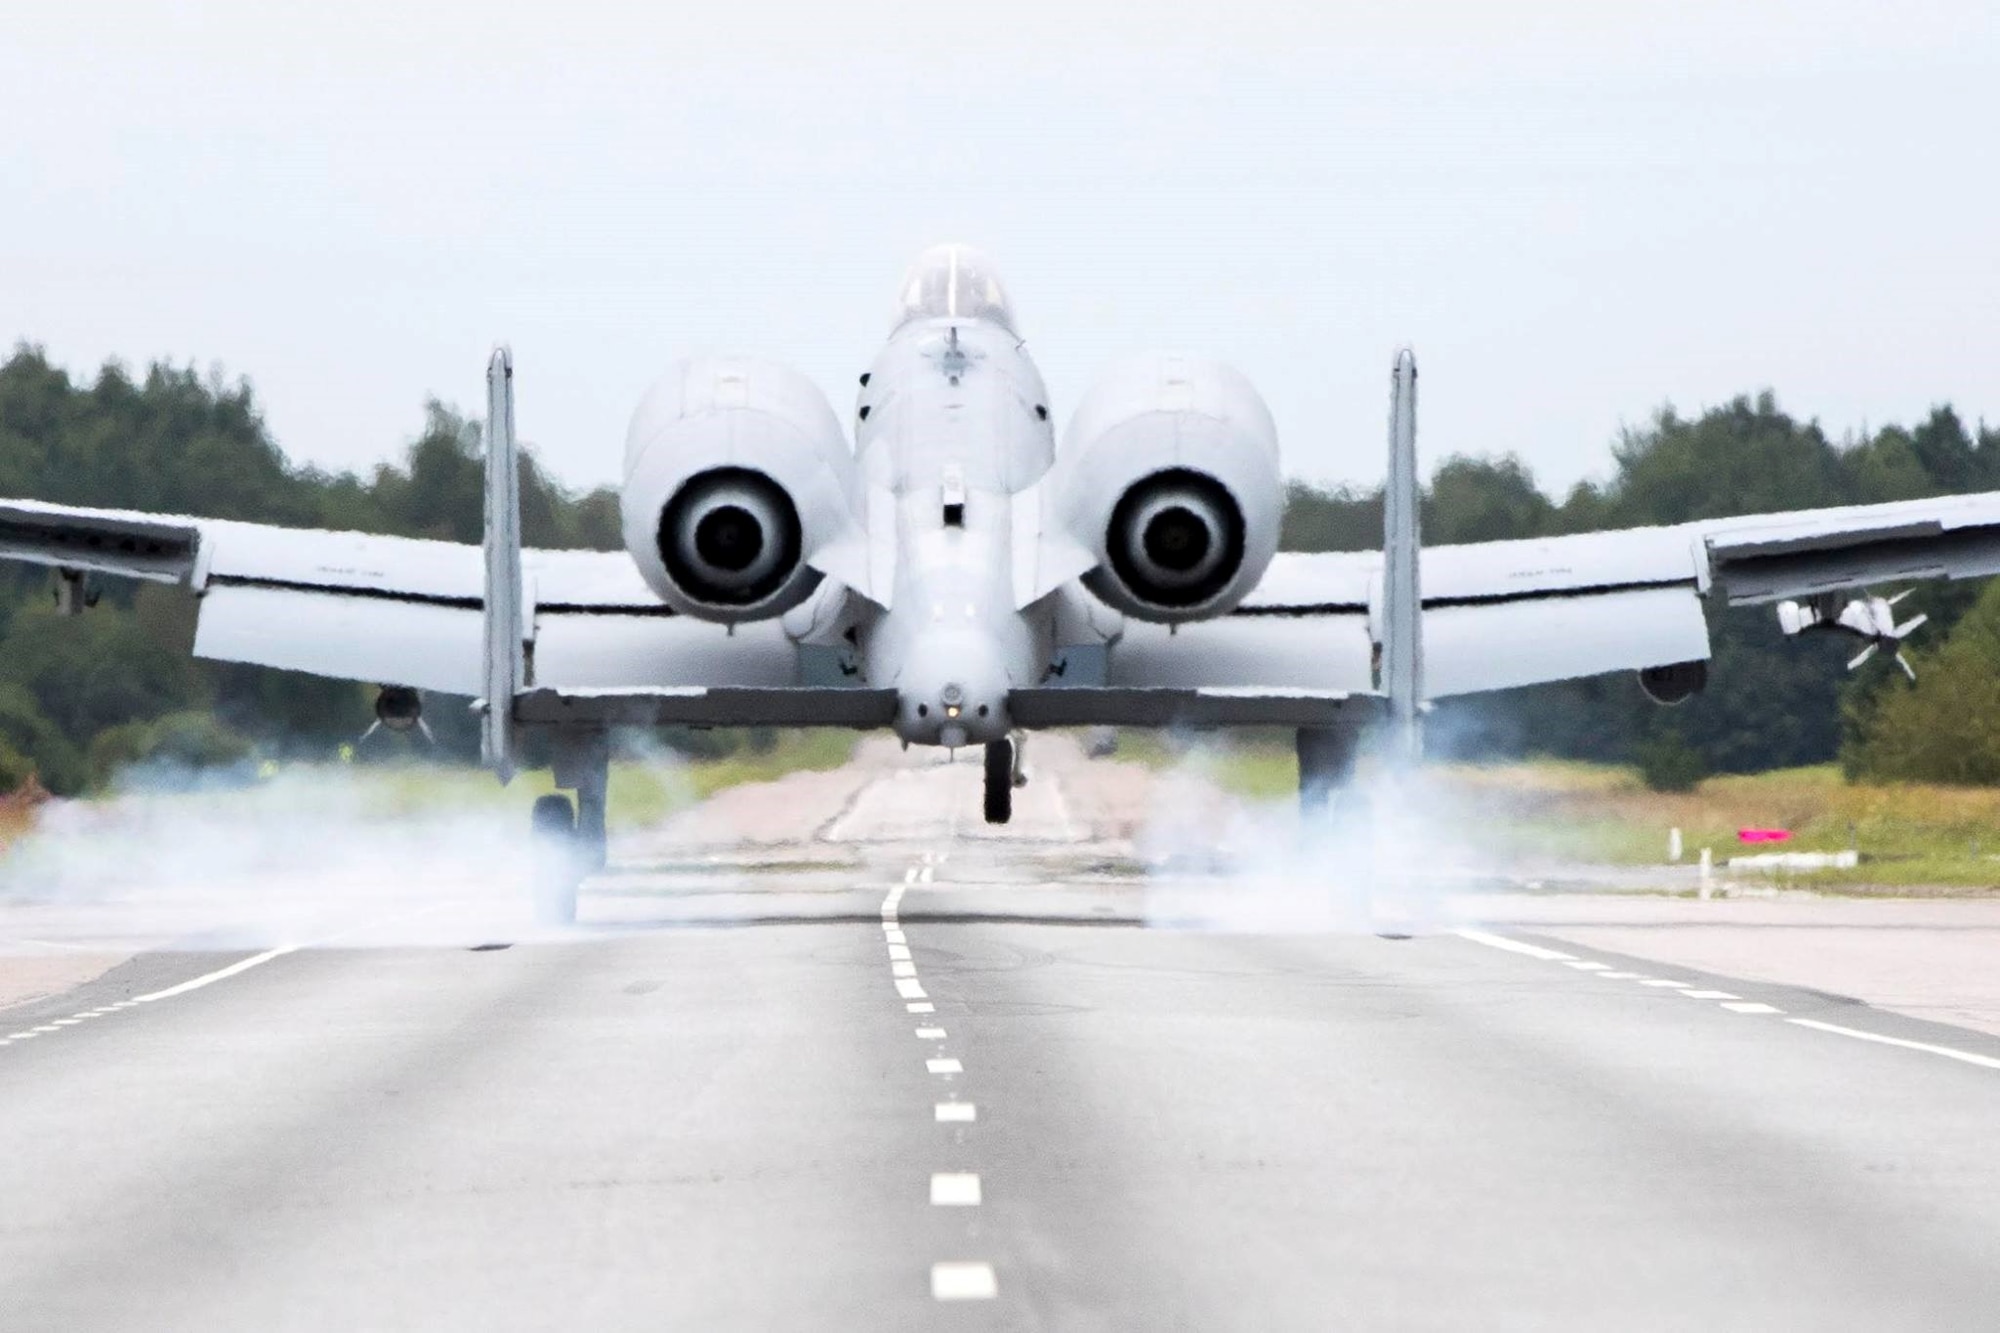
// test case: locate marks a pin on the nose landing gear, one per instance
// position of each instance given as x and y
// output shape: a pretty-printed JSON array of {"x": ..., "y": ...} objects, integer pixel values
[{"x": 999, "y": 781}]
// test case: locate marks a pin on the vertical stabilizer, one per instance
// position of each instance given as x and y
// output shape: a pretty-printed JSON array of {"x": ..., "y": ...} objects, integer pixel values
[
  {"x": 1402, "y": 599},
  {"x": 503, "y": 642}
]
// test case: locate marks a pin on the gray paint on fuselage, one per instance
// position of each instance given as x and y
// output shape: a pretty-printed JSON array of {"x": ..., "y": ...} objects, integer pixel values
[{"x": 954, "y": 400}]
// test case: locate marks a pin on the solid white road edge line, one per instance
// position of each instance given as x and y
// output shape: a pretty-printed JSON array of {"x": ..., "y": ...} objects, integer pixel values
[
  {"x": 1948, "y": 1052},
  {"x": 1492, "y": 941},
  {"x": 236, "y": 968}
]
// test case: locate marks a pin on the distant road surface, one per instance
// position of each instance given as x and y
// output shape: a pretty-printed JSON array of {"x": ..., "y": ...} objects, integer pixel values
[{"x": 933, "y": 1077}]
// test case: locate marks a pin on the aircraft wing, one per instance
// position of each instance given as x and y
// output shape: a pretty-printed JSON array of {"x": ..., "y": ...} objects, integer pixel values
[
  {"x": 1502, "y": 614},
  {"x": 396, "y": 610}
]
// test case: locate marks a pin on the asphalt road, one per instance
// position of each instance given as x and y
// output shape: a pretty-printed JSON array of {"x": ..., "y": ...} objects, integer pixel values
[{"x": 1046, "y": 1116}]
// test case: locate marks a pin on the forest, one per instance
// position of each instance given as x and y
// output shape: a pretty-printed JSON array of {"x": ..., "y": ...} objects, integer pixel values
[{"x": 82, "y": 698}]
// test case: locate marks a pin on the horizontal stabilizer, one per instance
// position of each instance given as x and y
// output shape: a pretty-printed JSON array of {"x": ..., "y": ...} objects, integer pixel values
[
  {"x": 103, "y": 541},
  {"x": 727, "y": 706},
  {"x": 1167, "y": 706}
]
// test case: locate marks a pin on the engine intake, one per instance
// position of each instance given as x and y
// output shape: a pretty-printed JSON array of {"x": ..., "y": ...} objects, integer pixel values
[
  {"x": 1176, "y": 538},
  {"x": 730, "y": 536},
  {"x": 739, "y": 489},
  {"x": 1169, "y": 476}
]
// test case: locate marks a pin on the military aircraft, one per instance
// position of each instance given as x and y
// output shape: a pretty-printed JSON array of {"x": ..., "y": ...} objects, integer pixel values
[{"x": 956, "y": 578}]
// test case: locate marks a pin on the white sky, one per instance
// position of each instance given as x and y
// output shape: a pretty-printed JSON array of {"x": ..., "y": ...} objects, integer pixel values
[{"x": 1574, "y": 211}]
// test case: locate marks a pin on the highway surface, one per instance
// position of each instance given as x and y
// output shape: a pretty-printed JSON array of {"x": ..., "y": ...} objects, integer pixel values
[{"x": 909, "y": 1074}]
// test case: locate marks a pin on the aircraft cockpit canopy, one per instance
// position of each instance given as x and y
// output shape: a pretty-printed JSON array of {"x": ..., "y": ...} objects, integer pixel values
[{"x": 954, "y": 281}]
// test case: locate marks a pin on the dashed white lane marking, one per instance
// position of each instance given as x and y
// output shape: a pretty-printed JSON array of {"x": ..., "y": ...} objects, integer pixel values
[
  {"x": 20, "y": 1036},
  {"x": 963, "y": 1281},
  {"x": 1732, "y": 1003},
  {"x": 910, "y": 988},
  {"x": 910, "y": 875},
  {"x": 67, "y": 1022},
  {"x": 944, "y": 1065},
  {"x": 1948, "y": 1052},
  {"x": 924, "y": 875},
  {"x": 956, "y": 1113},
  {"x": 930, "y": 1034},
  {"x": 893, "y": 935},
  {"x": 899, "y": 952},
  {"x": 902, "y": 967},
  {"x": 920, "y": 1007},
  {"x": 955, "y": 1189}
]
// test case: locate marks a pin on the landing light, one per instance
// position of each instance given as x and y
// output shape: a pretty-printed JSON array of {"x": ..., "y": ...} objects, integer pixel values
[{"x": 951, "y": 710}]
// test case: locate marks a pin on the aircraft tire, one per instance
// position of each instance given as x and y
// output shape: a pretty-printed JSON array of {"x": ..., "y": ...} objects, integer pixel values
[
  {"x": 999, "y": 781},
  {"x": 558, "y": 865}
]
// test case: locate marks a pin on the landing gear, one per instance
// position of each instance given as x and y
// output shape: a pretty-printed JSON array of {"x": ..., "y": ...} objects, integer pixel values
[
  {"x": 999, "y": 781},
  {"x": 1326, "y": 764},
  {"x": 570, "y": 841},
  {"x": 557, "y": 868}
]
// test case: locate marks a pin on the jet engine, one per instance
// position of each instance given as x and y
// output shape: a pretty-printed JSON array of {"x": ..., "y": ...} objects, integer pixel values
[
  {"x": 736, "y": 475},
  {"x": 1675, "y": 683},
  {"x": 1170, "y": 477}
]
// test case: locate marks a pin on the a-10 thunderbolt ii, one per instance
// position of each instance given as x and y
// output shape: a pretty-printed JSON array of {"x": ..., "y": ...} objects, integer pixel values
[{"x": 955, "y": 577}]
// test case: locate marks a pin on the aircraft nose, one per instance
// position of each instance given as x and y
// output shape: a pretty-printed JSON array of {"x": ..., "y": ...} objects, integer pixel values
[{"x": 954, "y": 704}]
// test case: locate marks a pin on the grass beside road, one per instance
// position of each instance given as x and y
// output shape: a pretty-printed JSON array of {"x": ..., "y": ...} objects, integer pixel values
[
  {"x": 1911, "y": 836},
  {"x": 642, "y": 792}
]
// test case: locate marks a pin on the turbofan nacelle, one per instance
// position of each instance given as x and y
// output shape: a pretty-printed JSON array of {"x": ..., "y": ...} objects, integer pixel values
[
  {"x": 1674, "y": 683},
  {"x": 1171, "y": 480},
  {"x": 736, "y": 476}
]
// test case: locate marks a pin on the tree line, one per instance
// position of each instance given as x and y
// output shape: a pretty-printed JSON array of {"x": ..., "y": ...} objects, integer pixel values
[{"x": 82, "y": 698}]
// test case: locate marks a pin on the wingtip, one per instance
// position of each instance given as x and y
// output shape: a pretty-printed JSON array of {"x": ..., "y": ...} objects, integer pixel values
[
  {"x": 1406, "y": 360},
  {"x": 501, "y": 362}
]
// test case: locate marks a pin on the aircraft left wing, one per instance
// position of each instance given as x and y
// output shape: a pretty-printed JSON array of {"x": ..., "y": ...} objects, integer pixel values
[{"x": 395, "y": 610}]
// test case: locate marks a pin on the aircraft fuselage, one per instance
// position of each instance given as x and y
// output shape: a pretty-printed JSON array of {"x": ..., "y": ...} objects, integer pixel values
[{"x": 956, "y": 425}]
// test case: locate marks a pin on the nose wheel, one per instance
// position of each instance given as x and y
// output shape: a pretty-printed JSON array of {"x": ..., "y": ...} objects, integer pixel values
[{"x": 999, "y": 781}]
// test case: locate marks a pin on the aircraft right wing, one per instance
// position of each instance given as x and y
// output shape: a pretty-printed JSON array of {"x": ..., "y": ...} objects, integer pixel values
[{"x": 1502, "y": 614}]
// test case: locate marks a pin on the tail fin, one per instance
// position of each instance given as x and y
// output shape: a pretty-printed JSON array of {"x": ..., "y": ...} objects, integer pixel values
[
  {"x": 1402, "y": 675},
  {"x": 505, "y": 656}
]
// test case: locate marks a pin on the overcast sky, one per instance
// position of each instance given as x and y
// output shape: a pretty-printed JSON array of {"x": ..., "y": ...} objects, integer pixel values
[{"x": 1574, "y": 211}]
